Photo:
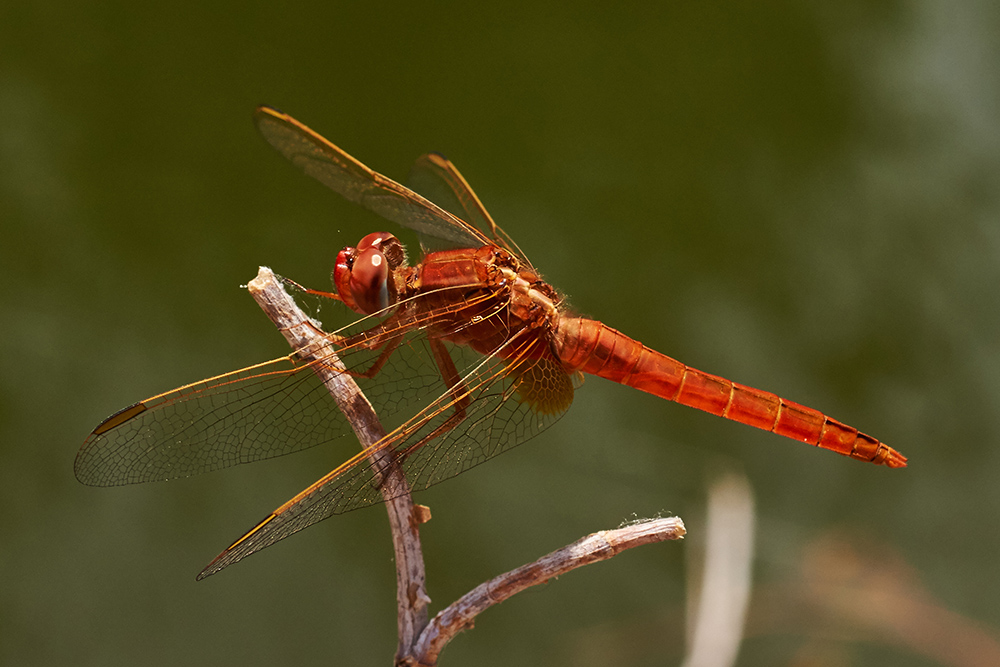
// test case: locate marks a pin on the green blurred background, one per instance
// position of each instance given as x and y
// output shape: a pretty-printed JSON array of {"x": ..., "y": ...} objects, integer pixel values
[{"x": 799, "y": 196}]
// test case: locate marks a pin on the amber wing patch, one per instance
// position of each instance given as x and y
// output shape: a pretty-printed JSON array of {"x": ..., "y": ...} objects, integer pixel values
[{"x": 545, "y": 386}]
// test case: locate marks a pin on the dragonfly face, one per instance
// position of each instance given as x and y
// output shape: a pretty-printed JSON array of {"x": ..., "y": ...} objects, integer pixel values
[{"x": 366, "y": 277}]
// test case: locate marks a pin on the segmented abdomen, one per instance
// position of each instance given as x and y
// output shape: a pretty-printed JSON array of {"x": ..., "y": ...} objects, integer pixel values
[{"x": 592, "y": 347}]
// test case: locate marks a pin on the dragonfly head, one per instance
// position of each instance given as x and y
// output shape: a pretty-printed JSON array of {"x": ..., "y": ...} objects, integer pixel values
[{"x": 364, "y": 275}]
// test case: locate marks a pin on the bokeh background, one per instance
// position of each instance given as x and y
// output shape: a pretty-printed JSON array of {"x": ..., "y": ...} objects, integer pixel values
[{"x": 799, "y": 196}]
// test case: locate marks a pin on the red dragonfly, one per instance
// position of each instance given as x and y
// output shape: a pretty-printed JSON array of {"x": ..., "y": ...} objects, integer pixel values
[{"x": 469, "y": 350}]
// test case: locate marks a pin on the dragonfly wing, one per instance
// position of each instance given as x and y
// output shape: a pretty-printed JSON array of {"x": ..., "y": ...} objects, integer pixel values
[
  {"x": 435, "y": 177},
  {"x": 333, "y": 167},
  {"x": 268, "y": 410},
  {"x": 256, "y": 413},
  {"x": 505, "y": 404}
]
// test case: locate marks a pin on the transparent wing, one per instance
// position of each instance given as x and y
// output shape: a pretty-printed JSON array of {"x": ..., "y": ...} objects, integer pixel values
[
  {"x": 267, "y": 410},
  {"x": 502, "y": 403},
  {"x": 435, "y": 177},
  {"x": 256, "y": 413},
  {"x": 330, "y": 165}
]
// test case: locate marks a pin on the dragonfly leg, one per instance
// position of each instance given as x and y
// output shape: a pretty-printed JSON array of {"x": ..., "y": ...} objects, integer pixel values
[
  {"x": 459, "y": 395},
  {"x": 456, "y": 388},
  {"x": 374, "y": 369},
  {"x": 314, "y": 292}
]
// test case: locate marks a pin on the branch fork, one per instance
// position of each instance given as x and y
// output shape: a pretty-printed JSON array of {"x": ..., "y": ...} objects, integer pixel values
[{"x": 421, "y": 640}]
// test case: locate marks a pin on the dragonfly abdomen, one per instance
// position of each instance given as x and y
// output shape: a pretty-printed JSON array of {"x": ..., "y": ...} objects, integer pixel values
[{"x": 592, "y": 347}]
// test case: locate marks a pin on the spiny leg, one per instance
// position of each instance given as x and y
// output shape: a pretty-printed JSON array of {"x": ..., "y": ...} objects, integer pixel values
[{"x": 460, "y": 396}]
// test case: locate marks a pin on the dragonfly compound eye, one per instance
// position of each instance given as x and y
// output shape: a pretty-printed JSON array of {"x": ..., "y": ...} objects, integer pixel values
[
  {"x": 369, "y": 282},
  {"x": 389, "y": 245}
]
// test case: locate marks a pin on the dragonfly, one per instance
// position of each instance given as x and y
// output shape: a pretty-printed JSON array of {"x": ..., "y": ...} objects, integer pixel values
[{"x": 464, "y": 354}]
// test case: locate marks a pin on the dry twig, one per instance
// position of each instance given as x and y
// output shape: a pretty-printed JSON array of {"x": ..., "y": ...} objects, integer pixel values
[
  {"x": 311, "y": 343},
  {"x": 590, "y": 549}
]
